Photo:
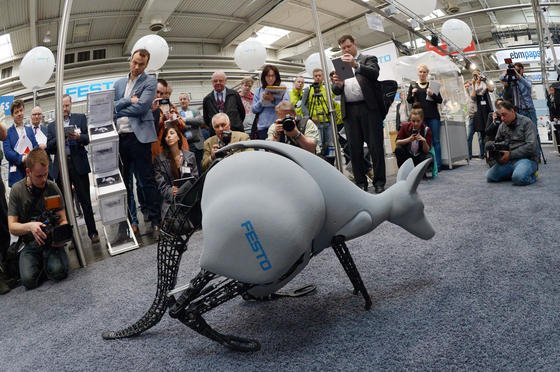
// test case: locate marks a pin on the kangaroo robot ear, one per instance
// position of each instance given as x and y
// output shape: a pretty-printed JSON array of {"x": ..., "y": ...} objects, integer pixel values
[{"x": 261, "y": 212}]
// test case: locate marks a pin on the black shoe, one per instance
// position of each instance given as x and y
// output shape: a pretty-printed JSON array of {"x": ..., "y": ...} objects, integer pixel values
[
  {"x": 379, "y": 189},
  {"x": 363, "y": 186},
  {"x": 155, "y": 232},
  {"x": 94, "y": 238},
  {"x": 4, "y": 287}
]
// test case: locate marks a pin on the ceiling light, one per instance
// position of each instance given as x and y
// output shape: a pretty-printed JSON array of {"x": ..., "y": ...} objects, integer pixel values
[{"x": 47, "y": 37}]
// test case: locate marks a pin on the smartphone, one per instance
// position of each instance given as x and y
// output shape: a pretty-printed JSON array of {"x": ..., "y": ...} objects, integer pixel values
[
  {"x": 69, "y": 129},
  {"x": 164, "y": 105}
]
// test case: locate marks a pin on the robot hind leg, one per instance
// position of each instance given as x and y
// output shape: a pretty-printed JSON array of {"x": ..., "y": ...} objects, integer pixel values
[
  {"x": 343, "y": 254},
  {"x": 200, "y": 298}
]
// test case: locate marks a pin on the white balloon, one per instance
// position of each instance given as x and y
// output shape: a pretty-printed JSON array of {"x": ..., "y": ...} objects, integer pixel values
[
  {"x": 422, "y": 8},
  {"x": 158, "y": 48},
  {"x": 457, "y": 32},
  {"x": 314, "y": 61},
  {"x": 250, "y": 55},
  {"x": 36, "y": 67}
]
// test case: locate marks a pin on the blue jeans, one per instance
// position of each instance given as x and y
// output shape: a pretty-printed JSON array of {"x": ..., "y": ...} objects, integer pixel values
[
  {"x": 435, "y": 125},
  {"x": 520, "y": 171},
  {"x": 326, "y": 138},
  {"x": 33, "y": 260},
  {"x": 470, "y": 139}
]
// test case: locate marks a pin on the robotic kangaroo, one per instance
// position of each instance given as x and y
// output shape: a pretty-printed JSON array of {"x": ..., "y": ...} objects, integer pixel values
[{"x": 279, "y": 208}]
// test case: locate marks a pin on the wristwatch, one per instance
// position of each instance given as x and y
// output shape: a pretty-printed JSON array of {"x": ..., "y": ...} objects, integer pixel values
[{"x": 297, "y": 136}]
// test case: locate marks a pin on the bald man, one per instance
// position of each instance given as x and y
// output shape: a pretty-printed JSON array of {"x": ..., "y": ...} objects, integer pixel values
[
  {"x": 223, "y": 99},
  {"x": 39, "y": 129}
]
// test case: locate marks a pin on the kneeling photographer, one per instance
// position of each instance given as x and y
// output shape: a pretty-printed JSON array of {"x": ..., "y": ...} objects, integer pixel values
[
  {"x": 514, "y": 148},
  {"x": 36, "y": 214},
  {"x": 293, "y": 130}
]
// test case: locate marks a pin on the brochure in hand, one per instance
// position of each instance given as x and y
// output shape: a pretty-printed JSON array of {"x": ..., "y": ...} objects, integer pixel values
[{"x": 277, "y": 90}]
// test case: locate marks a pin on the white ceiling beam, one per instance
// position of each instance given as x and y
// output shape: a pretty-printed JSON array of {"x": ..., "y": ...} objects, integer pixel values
[
  {"x": 210, "y": 16},
  {"x": 319, "y": 10}
]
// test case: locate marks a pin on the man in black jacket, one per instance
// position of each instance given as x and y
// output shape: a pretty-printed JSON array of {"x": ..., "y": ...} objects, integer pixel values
[
  {"x": 76, "y": 159},
  {"x": 225, "y": 100},
  {"x": 362, "y": 113}
]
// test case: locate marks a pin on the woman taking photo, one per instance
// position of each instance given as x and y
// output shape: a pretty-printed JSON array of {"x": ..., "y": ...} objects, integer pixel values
[
  {"x": 265, "y": 101},
  {"x": 479, "y": 94},
  {"x": 175, "y": 169},
  {"x": 420, "y": 92}
]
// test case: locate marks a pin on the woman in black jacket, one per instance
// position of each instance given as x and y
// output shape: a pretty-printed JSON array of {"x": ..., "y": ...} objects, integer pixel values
[
  {"x": 175, "y": 169},
  {"x": 420, "y": 92}
]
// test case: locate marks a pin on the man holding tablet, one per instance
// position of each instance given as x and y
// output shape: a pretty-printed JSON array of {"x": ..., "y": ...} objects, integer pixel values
[{"x": 361, "y": 111}]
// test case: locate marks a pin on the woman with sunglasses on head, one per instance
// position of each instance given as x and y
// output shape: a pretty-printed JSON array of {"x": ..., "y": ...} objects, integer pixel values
[{"x": 175, "y": 168}]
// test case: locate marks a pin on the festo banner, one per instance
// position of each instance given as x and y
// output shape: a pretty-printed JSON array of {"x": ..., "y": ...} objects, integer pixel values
[{"x": 524, "y": 55}]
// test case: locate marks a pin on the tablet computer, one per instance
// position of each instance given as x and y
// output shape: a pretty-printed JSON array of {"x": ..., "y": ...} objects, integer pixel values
[{"x": 343, "y": 69}]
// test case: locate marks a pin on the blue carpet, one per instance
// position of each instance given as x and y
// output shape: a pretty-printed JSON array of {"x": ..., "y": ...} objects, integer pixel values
[{"x": 484, "y": 293}]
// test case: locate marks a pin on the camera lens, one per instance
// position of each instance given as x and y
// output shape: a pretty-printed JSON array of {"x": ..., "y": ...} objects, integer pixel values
[{"x": 288, "y": 123}]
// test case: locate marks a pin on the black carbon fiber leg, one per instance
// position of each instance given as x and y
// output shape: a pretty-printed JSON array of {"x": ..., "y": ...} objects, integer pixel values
[
  {"x": 170, "y": 250},
  {"x": 212, "y": 297},
  {"x": 349, "y": 266}
]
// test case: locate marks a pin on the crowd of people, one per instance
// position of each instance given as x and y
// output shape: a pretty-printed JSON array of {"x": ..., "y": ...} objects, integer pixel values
[{"x": 164, "y": 148}]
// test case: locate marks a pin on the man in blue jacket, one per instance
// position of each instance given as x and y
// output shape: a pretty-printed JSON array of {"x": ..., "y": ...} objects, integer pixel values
[{"x": 134, "y": 95}]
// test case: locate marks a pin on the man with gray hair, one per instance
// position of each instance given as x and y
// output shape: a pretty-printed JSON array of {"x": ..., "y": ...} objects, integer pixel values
[
  {"x": 225, "y": 100},
  {"x": 39, "y": 129},
  {"x": 224, "y": 136}
]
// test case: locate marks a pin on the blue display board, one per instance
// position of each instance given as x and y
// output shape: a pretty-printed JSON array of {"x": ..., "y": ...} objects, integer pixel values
[{"x": 5, "y": 102}]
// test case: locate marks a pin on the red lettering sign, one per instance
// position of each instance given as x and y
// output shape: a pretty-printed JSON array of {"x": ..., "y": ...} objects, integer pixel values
[{"x": 443, "y": 45}]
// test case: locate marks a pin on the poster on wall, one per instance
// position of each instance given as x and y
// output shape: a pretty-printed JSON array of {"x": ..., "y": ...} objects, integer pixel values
[{"x": 386, "y": 57}]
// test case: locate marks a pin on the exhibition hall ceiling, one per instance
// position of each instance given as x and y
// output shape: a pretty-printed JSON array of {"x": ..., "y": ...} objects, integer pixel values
[{"x": 225, "y": 23}]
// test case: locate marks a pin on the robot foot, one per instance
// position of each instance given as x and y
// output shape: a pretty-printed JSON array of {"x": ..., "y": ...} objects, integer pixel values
[{"x": 201, "y": 297}]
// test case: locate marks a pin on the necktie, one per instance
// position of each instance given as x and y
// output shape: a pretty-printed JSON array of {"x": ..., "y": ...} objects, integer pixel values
[
  {"x": 35, "y": 129},
  {"x": 220, "y": 102}
]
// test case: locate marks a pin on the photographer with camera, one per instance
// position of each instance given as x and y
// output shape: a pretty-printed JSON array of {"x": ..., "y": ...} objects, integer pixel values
[
  {"x": 492, "y": 124},
  {"x": 314, "y": 105},
  {"x": 224, "y": 136},
  {"x": 479, "y": 93},
  {"x": 520, "y": 90},
  {"x": 514, "y": 148},
  {"x": 414, "y": 138},
  {"x": 42, "y": 228},
  {"x": 288, "y": 128}
]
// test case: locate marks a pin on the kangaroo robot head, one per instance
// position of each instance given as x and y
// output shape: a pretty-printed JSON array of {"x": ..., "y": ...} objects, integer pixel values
[{"x": 265, "y": 214}]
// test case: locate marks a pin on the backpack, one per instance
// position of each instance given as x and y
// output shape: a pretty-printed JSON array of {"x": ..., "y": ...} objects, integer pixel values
[{"x": 389, "y": 89}]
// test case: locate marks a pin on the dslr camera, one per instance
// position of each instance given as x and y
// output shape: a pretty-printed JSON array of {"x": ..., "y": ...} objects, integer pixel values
[
  {"x": 316, "y": 89},
  {"x": 510, "y": 72},
  {"x": 56, "y": 234},
  {"x": 288, "y": 123},
  {"x": 494, "y": 149},
  {"x": 226, "y": 137}
]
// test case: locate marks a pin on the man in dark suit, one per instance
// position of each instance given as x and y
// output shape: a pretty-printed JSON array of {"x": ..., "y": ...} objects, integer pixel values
[
  {"x": 225, "y": 100},
  {"x": 134, "y": 96},
  {"x": 362, "y": 113},
  {"x": 76, "y": 160}
]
